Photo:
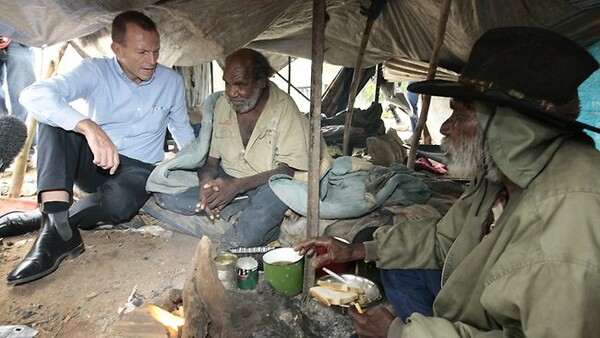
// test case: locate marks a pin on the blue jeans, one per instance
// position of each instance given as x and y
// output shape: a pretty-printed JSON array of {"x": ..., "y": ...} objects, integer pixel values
[
  {"x": 411, "y": 290},
  {"x": 254, "y": 221},
  {"x": 413, "y": 100},
  {"x": 17, "y": 67}
]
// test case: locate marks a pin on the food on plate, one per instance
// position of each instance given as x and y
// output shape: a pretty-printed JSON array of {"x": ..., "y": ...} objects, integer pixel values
[
  {"x": 333, "y": 293},
  {"x": 332, "y": 297},
  {"x": 340, "y": 286}
]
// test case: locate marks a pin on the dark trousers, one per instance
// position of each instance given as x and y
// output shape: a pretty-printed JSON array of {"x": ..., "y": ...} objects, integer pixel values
[
  {"x": 65, "y": 159},
  {"x": 258, "y": 221},
  {"x": 412, "y": 290},
  {"x": 254, "y": 221}
]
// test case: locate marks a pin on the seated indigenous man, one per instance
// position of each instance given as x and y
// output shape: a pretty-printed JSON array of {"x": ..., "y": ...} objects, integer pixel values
[
  {"x": 518, "y": 255},
  {"x": 257, "y": 132}
]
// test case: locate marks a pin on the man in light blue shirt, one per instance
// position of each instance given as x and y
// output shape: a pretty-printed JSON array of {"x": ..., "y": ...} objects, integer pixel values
[{"x": 108, "y": 151}]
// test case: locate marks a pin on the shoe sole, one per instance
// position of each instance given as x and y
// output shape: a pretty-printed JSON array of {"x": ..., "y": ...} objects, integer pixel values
[{"x": 78, "y": 250}]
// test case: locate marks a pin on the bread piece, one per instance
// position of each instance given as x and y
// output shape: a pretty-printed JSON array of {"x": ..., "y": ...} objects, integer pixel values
[
  {"x": 339, "y": 287},
  {"x": 317, "y": 295},
  {"x": 332, "y": 297}
]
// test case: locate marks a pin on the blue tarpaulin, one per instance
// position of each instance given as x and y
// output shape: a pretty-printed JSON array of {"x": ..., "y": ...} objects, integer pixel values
[{"x": 589, "y": 95}]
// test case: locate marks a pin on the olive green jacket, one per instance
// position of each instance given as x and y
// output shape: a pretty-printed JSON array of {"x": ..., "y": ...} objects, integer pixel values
[{"x": 537, "y": 274}]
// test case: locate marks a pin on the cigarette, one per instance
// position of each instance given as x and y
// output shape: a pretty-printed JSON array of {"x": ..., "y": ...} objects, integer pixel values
[{"x": 358, "y": 308}]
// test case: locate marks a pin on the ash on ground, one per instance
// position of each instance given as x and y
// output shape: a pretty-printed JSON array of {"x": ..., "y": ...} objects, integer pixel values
[{"x": 298, "y": 317}]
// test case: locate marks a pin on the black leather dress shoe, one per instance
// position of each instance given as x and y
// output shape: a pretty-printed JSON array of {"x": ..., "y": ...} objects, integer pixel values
[
  {"x": 47, "y": 252},
  {"x": 17, "y": 223}
]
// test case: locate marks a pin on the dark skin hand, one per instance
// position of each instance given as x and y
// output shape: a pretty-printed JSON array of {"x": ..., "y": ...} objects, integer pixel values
[
  {"x": 337, "y": 251},
  {"x": 216, "y": 192},
  {"x": 206, "y": 174},
  {"x": 373, "y": 323}
]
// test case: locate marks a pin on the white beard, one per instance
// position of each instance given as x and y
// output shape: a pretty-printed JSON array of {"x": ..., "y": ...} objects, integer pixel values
[
  {"x": 249, "y": 103},
  {"x": 467, "y": 158}
]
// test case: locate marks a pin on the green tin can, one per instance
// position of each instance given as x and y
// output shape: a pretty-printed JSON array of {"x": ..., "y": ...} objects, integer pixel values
[
  {"x": 284, "y": 270},
  {"x": 247, "y": 273}
]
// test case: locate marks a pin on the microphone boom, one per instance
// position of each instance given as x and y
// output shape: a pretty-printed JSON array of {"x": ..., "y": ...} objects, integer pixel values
[{"x": 13, "y": 134}]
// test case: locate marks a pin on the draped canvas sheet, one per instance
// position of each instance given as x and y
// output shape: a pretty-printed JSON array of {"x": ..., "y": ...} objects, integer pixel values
[{"x": 197, "y": 31}]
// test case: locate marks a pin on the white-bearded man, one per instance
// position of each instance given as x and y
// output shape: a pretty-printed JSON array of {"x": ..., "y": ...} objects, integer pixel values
[{"x": 518, "y": 255}]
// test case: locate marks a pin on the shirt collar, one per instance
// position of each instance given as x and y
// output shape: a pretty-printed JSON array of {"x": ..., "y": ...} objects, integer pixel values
[{"x": 119, "y": 70}]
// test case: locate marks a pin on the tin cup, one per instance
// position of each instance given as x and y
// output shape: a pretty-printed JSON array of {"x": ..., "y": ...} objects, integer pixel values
[
  {"x": 284, "y": 270},
  {"x": 247, "y": 273},
  {"x": 226, "y": 269}
]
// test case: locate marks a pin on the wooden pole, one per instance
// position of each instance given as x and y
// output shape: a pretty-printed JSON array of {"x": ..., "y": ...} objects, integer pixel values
[
  {"x": 379, "y": 79},
  {"x": 316, "y": 84},
  {"x": 356, "y": 75},
  {"x": 212, "y": 78},
  {"x": 292, "y": 86},
  {"x": 426, "y": 99},
  {"x": 289, "y": 80},
  {"x": 20, "y": 167}
]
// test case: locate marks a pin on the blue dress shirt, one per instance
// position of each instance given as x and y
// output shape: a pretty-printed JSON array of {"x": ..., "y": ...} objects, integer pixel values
[{"x": 134, "y": 116}]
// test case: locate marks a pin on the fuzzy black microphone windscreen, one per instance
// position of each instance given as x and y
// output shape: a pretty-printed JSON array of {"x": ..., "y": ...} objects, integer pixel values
[{"x": 13, "y": 134}]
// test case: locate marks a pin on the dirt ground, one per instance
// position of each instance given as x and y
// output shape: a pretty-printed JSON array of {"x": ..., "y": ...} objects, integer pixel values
[
  {"x": 83, "y": 297},
  {"x": 88, "y": 295}
]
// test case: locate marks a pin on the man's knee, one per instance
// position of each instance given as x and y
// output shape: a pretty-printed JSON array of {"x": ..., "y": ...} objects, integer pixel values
[
  {"x": 184, "y": 203},
  {"x": 250, "y": 237},
  {"x": 123, "y": 207},
  {"x": 265, "y": 202}
]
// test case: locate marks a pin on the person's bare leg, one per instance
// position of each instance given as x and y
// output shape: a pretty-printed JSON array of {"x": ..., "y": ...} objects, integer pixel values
[{"x": 55, "y": 195}]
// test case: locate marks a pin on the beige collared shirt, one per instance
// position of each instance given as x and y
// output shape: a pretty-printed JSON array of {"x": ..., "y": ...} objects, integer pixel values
[{"x": 281, "y": 135}]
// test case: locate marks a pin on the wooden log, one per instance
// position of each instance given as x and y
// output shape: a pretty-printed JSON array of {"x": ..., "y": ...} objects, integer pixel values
[
  {"x": 212, "y": 311},
  {"x": 205, "y": 301}
]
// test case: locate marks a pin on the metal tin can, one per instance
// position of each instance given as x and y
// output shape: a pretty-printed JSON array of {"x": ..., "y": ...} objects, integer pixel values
[
  {"x": 247, "y": 273},
  {"x": 226, "y": 269}
]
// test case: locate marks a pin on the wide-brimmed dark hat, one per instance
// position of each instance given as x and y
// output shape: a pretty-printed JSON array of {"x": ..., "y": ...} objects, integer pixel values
[{"x": 531, "y": 69}]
